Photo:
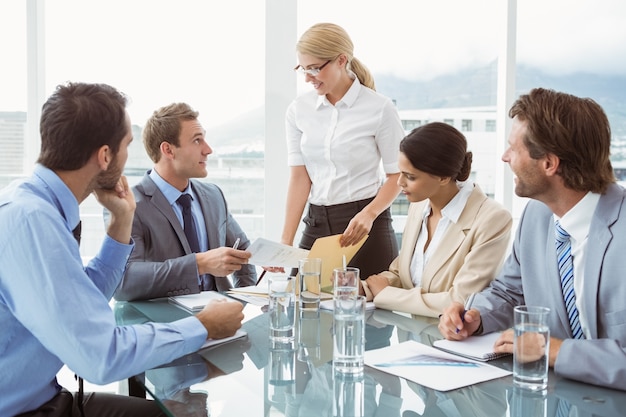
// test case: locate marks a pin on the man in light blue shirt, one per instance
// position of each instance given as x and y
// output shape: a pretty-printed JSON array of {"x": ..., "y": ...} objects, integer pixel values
[{"x": 55, "y": 311}]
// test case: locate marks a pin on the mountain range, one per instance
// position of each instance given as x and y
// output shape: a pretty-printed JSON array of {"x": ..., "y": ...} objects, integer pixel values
[{"x": 468, "y": 88}]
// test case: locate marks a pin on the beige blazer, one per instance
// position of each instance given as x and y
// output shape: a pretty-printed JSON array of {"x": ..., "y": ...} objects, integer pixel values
[{"x": 468, "y": 258}]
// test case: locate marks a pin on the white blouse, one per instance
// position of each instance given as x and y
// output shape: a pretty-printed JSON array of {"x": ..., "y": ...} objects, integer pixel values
[{"x": 345, "y": 147}]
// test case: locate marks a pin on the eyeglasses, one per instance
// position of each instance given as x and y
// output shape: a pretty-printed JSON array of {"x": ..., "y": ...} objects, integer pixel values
[{"x": 313, "y": 72}]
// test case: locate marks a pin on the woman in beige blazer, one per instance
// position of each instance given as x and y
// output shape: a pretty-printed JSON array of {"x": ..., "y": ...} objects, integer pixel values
[{"x": 455, "y": 236}]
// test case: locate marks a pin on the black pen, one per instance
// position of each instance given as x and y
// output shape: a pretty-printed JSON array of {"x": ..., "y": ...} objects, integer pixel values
[
  {"x": 261, "y": 277},
  {"x": 468, "y": 306}
]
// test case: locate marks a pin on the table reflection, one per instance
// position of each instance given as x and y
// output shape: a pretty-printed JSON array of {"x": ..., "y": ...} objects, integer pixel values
[{"x": 254, "y": 376}]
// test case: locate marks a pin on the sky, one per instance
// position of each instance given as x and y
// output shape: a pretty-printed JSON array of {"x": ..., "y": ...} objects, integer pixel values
[{"x": 160, "y": 51}]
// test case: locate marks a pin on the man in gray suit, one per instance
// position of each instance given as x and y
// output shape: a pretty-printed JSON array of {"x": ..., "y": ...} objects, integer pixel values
[
  {"x": 559, "y": 150},
  {"x": 164, "y": 261}
]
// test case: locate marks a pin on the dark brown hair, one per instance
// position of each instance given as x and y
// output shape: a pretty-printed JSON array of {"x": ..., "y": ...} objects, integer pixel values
[
  {"x": 78, "y": 119},
  {"x": 574, "y": 129},
  {"x": 438, "y": 149}
]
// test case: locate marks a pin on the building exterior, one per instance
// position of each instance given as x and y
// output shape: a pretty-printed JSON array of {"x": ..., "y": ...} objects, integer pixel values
[{"x": 12, "y": 134}]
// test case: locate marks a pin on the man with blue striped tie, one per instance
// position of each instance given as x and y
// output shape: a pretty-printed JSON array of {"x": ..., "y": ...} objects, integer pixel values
[{"x": 569, "y": 252}]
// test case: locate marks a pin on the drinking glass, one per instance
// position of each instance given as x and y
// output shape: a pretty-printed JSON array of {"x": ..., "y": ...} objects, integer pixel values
[
  {"x": 310, "y": 270},
  {"x": 348, "y": 333},
  {"x": 531, "y": 346},
  {"x": 282, "y": 299}
]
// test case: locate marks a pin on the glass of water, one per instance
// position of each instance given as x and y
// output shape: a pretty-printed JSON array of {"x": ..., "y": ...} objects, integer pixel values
[
  {"x": 531, "y": 346},
  {"x": 310, "y": 270},
  {"x": 346, "y": 281},
  {"x": 348, "y": 333},
  {"x": 282, "y": 299}
]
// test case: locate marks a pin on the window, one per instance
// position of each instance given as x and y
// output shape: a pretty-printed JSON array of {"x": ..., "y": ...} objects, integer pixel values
[
  {"x": 151, "y": 66},
  {"x": 466, "y": 125},
  {"x": 12, "y": 90},
  {"x": 411, "y": 124},
  {"x": 194, "y": 53}
]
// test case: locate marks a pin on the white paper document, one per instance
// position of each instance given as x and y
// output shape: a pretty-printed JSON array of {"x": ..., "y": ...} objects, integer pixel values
[
  {"x": 213, "y": 342},
  {"x": 268, "y": 253},
  {"x": 431, "y": 367},
  {"x": 474, "y": 347},
  {"x": 257, "y": 300},
  {"x": 196, "y": 302}
]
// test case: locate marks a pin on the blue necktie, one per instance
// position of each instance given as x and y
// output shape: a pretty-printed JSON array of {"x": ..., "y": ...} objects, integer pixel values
[{"x": 566, "y": 270}]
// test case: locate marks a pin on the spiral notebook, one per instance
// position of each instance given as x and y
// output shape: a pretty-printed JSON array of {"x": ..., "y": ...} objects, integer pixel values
[{"x": 479, "y": 348}]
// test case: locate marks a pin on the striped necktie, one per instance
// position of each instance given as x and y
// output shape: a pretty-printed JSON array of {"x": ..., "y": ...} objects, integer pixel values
[{"x": 566, "y": 270}]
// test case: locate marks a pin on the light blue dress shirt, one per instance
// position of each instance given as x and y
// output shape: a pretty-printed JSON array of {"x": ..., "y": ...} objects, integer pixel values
[{"x": 53, "y": 310}]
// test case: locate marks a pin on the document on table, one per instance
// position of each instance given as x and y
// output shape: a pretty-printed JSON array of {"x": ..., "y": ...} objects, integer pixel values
[
  {"x": 254, "y": 294},
  {"x": 196, "y": 302},
  {"x": 431, "y": 367},
  {"x": 474, "y": 347},
  {"x": 213, "y": 342}
]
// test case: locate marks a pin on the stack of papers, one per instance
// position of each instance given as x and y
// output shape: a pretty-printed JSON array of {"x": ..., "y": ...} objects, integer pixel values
[
  {"x": 431, "y": 367},
  {"x": 475, "y": 347},
  {"x": 256, "y": 294}
]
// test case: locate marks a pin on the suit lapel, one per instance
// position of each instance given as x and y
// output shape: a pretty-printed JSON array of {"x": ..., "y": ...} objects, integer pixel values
[
  {"x": 160, "y": 203},
  {"x": 600, "y": 236},
  {"x": 453, "y": 238}
]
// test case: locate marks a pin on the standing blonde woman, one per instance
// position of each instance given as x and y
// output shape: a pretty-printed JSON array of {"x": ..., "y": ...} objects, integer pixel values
[{"x": 338, "y": 137}]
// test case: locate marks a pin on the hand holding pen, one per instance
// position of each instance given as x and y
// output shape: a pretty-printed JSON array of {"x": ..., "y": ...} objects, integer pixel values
[
  {"x": 459, "y": 321},
  {"x": 222, "y": 261},
  {"x": 466, "y": 309}
]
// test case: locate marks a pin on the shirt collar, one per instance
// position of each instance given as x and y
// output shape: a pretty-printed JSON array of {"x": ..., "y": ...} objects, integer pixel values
[
  {"x": 170, "y": 192},
  {"x": 455, "y": 207},
  {"x": 577, "y": 220},
  {"x": 453, "y": 210},
  {"x": 63, "y": 196},
  {"x": 348, "y": 99}
]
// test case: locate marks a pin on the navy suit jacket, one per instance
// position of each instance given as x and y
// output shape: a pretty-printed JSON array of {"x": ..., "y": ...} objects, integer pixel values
[
  {"x": 530, "y": 276},
  {"x": 162, "y": 263}
]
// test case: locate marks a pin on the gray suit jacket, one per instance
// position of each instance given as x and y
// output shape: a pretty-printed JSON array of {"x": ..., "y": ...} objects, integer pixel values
[
  {"x": 530, "y": 276},
  {"x": 162, "y": 263}
]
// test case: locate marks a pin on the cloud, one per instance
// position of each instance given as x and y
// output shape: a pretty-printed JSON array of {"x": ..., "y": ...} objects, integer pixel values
[{"x": 420, "y": 39}]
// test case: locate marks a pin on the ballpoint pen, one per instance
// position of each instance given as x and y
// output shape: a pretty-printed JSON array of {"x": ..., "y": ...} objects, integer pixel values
[
  {"x": 468, "y": 306},
  {"x": 236, "y": 244},
  {"x": 261, "y": 277}
]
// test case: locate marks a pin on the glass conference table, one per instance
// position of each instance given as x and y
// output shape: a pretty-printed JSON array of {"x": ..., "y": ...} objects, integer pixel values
[{"x": 254, "y": 377}]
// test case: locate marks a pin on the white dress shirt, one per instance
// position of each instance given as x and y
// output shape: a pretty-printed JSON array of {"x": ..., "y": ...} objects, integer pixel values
[
  {"x": 449, "y": 214},
  {"x": 344, "y": 146},
  {"x": 576, "y": 222}
]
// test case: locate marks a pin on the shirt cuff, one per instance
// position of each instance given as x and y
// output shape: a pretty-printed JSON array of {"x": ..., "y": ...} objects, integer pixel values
[
  {"x": 193, "y": 332},
  {"x": 116, "y": 253}
]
